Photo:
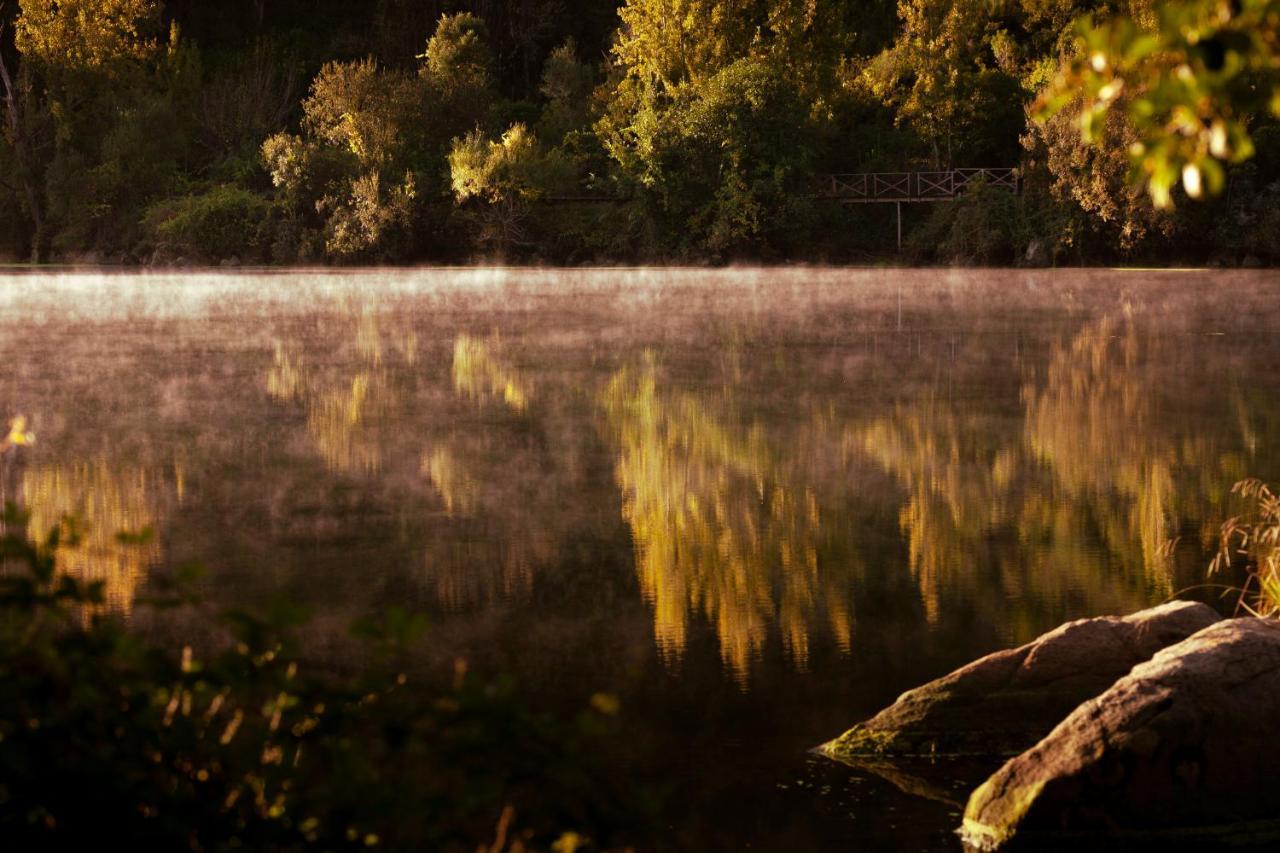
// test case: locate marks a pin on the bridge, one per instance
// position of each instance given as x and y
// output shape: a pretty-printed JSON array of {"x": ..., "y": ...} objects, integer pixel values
[
  {"x": 899, "y": 187},
  {"x": 895, "y": 188},
  {"x": 871, "y": 187}
]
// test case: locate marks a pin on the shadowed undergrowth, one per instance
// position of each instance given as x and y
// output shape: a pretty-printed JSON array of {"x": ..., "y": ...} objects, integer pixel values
[{"x": 106, "y": 732}]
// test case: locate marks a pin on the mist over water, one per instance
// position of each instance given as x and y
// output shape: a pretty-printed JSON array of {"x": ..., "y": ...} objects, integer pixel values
[{"x": 756, "y": 504}]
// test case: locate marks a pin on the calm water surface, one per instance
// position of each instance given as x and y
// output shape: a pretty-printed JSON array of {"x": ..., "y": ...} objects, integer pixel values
[{"x": 755, "y": 505}]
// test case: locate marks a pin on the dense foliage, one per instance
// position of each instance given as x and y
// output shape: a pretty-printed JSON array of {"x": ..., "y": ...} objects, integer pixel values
[
  {"x": 108, "y": 732},
  {"x": 273, "y": 131}
]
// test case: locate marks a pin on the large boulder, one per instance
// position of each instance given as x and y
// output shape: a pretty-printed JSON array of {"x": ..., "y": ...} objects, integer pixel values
[
  {"x": 1185, "y": 748},
  {"x": 1003, "y": 703}
]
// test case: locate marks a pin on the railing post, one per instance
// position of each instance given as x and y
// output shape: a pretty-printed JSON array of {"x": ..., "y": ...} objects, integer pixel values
[{"x": 898, "y": 205}]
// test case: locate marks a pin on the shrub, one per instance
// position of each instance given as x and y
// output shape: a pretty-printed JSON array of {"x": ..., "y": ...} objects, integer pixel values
[
  {"x": 370, "y": 222},
  {"x": 990, "y": 225},
  {"x": 501, "y": 180},
  {"x": 224, "y": 222}
]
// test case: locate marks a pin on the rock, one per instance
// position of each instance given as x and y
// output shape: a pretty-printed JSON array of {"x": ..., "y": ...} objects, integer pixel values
[
  {"x": 1251, "y": 262},
  {"x": 1183, "y": 748},
  {"x": 1003, "y": 703}
]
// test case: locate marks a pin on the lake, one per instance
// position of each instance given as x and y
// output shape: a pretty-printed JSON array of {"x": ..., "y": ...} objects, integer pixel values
[{"x": 754, "y": 505}]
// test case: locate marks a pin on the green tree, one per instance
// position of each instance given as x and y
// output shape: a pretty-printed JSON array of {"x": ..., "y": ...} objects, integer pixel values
[
  {"x": 1189, "y": 80},
  {"x": 502, "y": 180},
  {"x": 363, "y": 125},
  {"x": 459, "y": 69},
  {"x": 566, "y": 84},
  {"x": 368, "y": 111},
  {"x": 357, "y": 184},
  {"x": 959, "y": 73},
  {"x": 1096, "y": 179},
  {"x": 115, "y": 99},
  {"x": 713, "y": 113}
]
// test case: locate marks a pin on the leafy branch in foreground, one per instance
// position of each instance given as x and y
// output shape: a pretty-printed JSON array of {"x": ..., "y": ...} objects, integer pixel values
[
  {"x": 1189, "y": 82},
  {"x": 1256, "y": 538},
  {"x": 105, "y": 732}
]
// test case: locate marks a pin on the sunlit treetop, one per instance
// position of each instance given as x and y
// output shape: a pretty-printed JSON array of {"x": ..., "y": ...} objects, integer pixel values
[
  {"x": 85, "y": 34},
  {"x": 669, "y": 42},
  {"x": 1189, "y": 82},
  {"x": 458, "y": 57}
]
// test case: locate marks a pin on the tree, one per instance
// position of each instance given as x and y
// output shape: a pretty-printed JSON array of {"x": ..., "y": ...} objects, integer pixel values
[
  {"x": 503, "y": 179},
  {"x": 374, "y": 139},
  {"x": 18, "y": 138},
  {"x": 371, "y": 112},
  {"x": 714, "y": 109},
  {"x": 566, "y": 84},
  {"x": 1095, "y": 178},
  {"x": 86, "y": 34},
  {"x": 93, "y": 73},
  {"x": 959, "y": 72},
  {"x": 362, "y": 124},
  {"x": 459, "y": 68},
  {"x": 1189, "y": 80}
]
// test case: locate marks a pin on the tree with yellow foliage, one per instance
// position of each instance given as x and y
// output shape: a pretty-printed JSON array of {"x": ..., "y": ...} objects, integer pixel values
[{"x": 86, "y": 34}]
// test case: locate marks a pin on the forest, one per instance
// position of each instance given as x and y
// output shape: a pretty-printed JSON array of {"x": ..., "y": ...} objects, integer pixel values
[{"x": 280, "y": 132}]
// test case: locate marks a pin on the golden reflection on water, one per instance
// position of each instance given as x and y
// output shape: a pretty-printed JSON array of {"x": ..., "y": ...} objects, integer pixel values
[
  {"x": 458, "y": 490},
  {"x": 957, "y": 484},
  {"x": 1077, "y": 501},
  {"x": 720, "y": 526},
  {"x": 1091, "y": 493},
  {"x": 343, "y": 421},
  {"x": 104, "y": 500},
  {"x": 1056, "y": 486},
  {"x": 484, "y": 483},
  {"x": 1094, "y": 424},
  {"x": 479, "y": 373},
  {"x": 364, "y": 383},
  {"x": 347, "y": 405}
]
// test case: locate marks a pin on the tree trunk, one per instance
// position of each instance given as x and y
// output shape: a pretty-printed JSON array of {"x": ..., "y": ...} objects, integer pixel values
[{"x": 23, "y": 155}]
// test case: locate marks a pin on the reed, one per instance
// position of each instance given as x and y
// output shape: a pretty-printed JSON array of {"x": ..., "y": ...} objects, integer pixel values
[{"x": 1254, "y": 539}]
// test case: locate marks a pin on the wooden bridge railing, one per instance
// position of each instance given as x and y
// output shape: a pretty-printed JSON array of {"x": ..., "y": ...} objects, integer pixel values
[{"x": 911, "y": 186}]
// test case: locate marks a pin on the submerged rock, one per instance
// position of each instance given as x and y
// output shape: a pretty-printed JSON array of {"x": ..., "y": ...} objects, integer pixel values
[
  {"x": 1184, "y": 749},
  {"x": 1003, "y": 703}
]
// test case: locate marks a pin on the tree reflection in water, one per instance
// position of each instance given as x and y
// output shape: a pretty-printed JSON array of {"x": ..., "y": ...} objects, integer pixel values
[
  {"x": 760, "y": 480},
  {"x": 354, "y": 398},
  {"x": 723, "y": 525},
  {"x": 1083, "y": 503},
  {"x": 104, "y": 500},
  {"x": 374, "y": 399},
  {"x": 1075, "y": 499},
  {"x": 478, "y": 373}
]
